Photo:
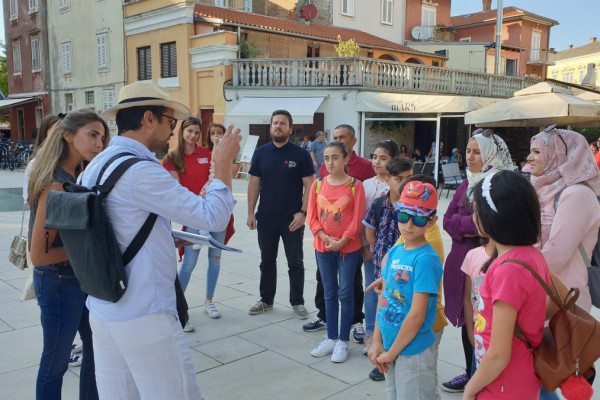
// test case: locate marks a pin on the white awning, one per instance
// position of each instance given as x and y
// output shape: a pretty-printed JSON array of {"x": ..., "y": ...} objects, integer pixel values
[
  {"x": 419, "y": 103},
  {"x": 258, "y": 110},
  {"x": 13, "y": 102}
]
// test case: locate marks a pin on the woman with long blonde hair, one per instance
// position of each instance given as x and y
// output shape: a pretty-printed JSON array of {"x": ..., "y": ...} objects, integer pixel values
[
  {"x": 189, "y": 163},
  {"x": 79, "y": 137}
]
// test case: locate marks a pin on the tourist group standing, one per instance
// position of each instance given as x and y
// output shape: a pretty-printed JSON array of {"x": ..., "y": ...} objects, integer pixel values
[{"x": 360, "y": 212}]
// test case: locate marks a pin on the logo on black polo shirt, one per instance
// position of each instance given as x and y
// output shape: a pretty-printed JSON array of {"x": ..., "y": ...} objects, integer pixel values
[{"x": 291, "y": 164}]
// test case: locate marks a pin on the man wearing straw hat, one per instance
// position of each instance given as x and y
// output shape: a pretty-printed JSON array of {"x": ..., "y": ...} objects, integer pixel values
[{"x": 139, "y": 345}]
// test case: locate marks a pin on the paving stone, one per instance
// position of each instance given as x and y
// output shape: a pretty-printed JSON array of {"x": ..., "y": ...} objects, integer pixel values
[{"x": 230, "y": 349}]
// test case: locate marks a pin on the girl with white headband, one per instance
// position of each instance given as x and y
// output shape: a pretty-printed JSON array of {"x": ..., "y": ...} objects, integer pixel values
[
  {"x": 506, "y": 210},
  {"x": 486, "y": 153}
]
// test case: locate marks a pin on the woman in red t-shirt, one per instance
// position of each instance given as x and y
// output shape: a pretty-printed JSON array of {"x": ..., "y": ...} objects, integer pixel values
[{"x": 190, "y": 165}]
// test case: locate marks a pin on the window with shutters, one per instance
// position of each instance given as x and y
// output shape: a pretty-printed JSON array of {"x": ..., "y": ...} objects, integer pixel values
[
  {"x": 108, "y": 100},
  {"x": 536, "y": 40},
  {"x": 144, "y": 63},
  {"x": 36, "y": 56},
  {"x": 69, "y": 102},
  {"x": 428, "y": 16},
  {"x": 16, "y": 52},
  {"x": 67, "y": 67},
  {"x": 348, "y": 7},
  {"x": 64, "y": 4},
  {"x": 567, "y": 76},
  {"x": 89, "y": 98},
  {"x": 14, "y": 9},
  {"x": 386, "y": 11},
  {"x": 33, "y": 6},
  {"x": 168, "y": 60},
  {"x": 102, "y": 50}
]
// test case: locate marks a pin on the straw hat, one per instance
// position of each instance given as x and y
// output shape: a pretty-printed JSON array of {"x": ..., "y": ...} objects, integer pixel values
[{"x": 145, "y": 93}]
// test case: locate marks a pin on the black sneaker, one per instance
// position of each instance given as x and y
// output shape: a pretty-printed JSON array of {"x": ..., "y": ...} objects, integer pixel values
[
  {"x": 315, "y": 325},
  {"x": 376, "y": 375},
  {"x": 456, "y": 385},
  {"x": 358, "y": 332}
]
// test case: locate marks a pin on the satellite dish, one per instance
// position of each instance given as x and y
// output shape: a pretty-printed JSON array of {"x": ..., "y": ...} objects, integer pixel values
[
  {"x": 308, "y": 12},
  {"x": 417, "y": 33},
  {"x": 423, "y": 32}
]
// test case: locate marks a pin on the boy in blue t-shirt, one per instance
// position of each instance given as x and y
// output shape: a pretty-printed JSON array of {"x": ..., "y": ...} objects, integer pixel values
[{"x": 403, "y": 342}]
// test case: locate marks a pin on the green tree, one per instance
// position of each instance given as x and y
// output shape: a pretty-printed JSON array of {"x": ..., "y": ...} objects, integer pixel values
[
  {"x": 347, "y": 48},
  {"x": 3, "y": 70}
]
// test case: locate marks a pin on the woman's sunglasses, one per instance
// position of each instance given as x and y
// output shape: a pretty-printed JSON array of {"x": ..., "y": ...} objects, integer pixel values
[{"x": 418, "y": 220}]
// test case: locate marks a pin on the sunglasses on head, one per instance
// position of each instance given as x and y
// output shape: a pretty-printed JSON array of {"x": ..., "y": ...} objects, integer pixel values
[
  {"x": 487, "y": 133},
  {"x": 553, "y": 128},
  {"x": 418, "y": 220}
]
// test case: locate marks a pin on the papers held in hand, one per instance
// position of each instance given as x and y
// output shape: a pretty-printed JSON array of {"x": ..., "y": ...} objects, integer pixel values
[{"x": 202, "y": 240}]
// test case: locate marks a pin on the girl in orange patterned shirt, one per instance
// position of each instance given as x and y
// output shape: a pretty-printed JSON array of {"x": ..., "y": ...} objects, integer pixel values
[{"x": 336, "y": 208}]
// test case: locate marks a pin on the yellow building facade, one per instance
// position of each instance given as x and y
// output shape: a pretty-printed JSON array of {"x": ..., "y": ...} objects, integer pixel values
[{"x": 576, "y": 64}]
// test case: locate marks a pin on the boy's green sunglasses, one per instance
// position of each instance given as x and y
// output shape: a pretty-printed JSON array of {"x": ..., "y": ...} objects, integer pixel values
[{"x": 418, "y": 220}]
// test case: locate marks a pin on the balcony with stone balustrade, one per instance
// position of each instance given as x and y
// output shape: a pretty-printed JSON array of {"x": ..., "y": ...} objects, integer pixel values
[{"x": 370, "y": 74}]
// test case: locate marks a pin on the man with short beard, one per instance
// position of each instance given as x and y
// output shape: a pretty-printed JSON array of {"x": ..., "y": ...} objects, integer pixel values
[{"x": 281, "y": 173}]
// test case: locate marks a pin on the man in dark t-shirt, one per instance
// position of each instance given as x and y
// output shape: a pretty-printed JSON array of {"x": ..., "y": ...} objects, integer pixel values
[
  {"x": 281, "y": 174},
  {"x": 361, "y": 169}
]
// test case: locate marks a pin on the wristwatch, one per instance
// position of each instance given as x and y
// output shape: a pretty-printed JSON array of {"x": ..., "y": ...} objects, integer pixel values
[{"x": 303, "y": 212}]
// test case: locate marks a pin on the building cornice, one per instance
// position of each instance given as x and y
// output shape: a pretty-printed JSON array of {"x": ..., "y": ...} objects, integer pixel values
[
  {"x": 173, "y": 15},
  {"x": 214, "y": 55}
]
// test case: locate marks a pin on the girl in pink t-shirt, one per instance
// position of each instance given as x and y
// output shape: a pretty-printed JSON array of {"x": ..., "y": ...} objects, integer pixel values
[{"x": 506, "y": 210}]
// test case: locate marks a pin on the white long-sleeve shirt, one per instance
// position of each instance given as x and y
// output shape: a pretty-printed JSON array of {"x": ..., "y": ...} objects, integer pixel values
[{"x": 146, "y": 187}]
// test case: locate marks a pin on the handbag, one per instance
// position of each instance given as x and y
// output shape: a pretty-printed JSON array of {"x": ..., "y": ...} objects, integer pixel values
[
  {"x": 18, "y": 249},
  {"x": 571, "y": 342}
]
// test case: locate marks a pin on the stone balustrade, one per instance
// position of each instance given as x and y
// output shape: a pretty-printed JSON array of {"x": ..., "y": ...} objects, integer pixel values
[{"x": 366, "y": 73}]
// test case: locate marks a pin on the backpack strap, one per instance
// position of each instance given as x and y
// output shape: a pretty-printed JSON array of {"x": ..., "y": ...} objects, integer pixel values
[
  {"x": 584, "y": 255},
  {"x": 319, "y": 182},
  {"x": 378, "y": 209},
  {"x": 104, "y": 189},
  {"x": 351, "y": 182}
]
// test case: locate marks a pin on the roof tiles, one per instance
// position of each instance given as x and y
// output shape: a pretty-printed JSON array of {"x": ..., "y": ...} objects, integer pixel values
[
  {"x": 490, "y": 15},
  {"x": 326, "y": 32}
]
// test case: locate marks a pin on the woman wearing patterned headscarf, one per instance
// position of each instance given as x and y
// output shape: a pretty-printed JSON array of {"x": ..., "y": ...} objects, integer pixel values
[
  {"x": 486, "y": 153},
  {"x": 567, "y": 181}
]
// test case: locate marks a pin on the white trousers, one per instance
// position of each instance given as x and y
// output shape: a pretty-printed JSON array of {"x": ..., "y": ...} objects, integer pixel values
[{"x": 146, "y": 358}]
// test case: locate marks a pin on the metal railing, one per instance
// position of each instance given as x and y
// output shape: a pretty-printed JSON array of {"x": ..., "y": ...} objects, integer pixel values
[{"x": 371, "y": 74}]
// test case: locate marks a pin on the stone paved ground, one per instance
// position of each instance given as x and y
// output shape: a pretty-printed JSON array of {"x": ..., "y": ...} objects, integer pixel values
[{"x": 236, "y": 356}]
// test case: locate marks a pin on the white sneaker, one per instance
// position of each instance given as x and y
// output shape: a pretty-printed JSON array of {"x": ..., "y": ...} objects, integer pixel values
[
  {"x": 189, "y": 327},
  {"x": 340, "y": 352},
  {"x": 211, "y": 309},
  {"x": 324, "y": 348}
]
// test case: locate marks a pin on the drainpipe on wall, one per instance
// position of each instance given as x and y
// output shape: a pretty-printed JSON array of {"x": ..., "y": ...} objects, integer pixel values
[
  {"x": 498, "y": 37},
  {"x": 239, "y": 36}
]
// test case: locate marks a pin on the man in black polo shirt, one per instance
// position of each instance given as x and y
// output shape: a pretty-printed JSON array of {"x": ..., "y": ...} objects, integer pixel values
[{"x": 282, "y": 174}]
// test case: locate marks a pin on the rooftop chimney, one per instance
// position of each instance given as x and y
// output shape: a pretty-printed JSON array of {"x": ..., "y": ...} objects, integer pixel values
[
  {"x": 593, "y": 39},
  {"x": 570, "y": 46},
  {"x": 487, "y": 5}
]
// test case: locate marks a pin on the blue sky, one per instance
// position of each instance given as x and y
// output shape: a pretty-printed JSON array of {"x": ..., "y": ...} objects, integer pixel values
[{"x": 578, "y": 19}]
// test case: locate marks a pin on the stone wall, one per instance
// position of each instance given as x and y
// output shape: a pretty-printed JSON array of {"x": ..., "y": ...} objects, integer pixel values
[
  {"x": 287, "y": 9},
  {"x": 402, "y": 132}
]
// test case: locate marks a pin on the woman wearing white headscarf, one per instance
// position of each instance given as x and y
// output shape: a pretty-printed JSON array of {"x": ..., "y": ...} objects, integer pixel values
[{"x": 486, "y": 153}]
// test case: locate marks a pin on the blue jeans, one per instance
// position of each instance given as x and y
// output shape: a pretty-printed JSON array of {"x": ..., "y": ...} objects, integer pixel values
[
  {"x": 545, "y": 395},
  {"x": 190, "y": 257},
  {"x": 63, "y": 313},
  {"x": 371, "y": 297},
  {"x": 334, "y": 265}
]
